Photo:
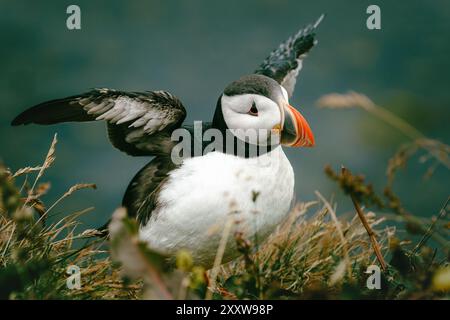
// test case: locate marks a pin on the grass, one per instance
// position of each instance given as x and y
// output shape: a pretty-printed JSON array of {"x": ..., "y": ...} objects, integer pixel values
[
  {"x": 317, "y": 253},
  {"x": 35, "y": 255}
]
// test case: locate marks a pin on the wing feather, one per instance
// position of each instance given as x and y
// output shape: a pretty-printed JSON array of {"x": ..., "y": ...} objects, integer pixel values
[
  {"x": 284, "y": 63},
  {"x": 139, "y": 123}
]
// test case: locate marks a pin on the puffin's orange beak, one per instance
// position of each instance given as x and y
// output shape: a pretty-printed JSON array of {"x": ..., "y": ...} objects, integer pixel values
[{"x": 296, "y": 131}]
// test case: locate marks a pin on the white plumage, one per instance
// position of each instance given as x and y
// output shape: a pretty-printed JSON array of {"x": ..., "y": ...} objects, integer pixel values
[{"x": 204, "y": 192}]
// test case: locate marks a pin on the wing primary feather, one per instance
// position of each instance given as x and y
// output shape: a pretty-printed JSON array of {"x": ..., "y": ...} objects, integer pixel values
[
  {"x": 284, "y": 63},
  {"x": 51, "y": 112},
  {"x": 139, "y": 123}
]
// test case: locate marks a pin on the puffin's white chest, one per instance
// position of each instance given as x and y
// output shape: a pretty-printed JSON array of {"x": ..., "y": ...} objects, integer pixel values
[{"x": 199, "y": 198}]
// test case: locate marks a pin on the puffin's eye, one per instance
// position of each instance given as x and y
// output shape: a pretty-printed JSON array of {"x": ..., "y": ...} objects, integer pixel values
[{"x": 253, "y": 110}]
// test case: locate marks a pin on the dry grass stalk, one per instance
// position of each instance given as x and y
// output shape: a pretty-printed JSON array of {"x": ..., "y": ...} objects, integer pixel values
[
  {"x": 306, "y": 250},
  {"x": 136, "y": 259},
  {"x": 49, "y": 159},
  {"x": 353, "y": 99},
  {"x": 332, "y": 213},
  {"x": 441, "y": 216},
  {"x": 437, "y": 149},
  {"x": 24, "y": 243},
  {"x": 370, "y": 232},
  {"x": 434, "y": 149},
  {"x": 69, "y": 192},
  {"x": 219, "y": 255},
  {"x": 2, "y": 258},
  {"x": 26, "y": 170}
]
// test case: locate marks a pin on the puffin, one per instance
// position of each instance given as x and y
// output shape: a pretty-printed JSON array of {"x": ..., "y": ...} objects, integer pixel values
[{"x": 205, "y": 198}]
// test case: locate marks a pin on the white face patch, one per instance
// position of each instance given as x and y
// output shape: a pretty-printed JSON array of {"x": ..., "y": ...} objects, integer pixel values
[
  {"x": 285, "y": 94},
  {"x": 255, "y": 129}
]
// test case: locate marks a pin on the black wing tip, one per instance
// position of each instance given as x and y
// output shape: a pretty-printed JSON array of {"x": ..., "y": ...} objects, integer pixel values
[
  {"x": 20, "y": 120},
  {"x": 31, "y": 115},
  {"x": 52, "y": 112},
  {"x": 309, "y": 31}
]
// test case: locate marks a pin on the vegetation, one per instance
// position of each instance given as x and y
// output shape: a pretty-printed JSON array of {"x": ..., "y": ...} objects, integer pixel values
[{"x": 316, "y": 253}]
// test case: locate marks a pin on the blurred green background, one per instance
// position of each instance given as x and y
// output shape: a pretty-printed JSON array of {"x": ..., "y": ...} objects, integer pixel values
[{"x": 193, "y": 49}]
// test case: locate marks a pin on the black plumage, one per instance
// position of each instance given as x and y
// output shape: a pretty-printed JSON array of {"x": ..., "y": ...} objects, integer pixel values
[
  {"x": 284, "y": 63},
  {"x": 139, "y": 123}
]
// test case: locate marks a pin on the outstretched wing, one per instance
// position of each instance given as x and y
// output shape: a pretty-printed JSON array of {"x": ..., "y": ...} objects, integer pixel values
[
  {"x": 284, "y": 63},
  {"x": 139, "y": 123}
]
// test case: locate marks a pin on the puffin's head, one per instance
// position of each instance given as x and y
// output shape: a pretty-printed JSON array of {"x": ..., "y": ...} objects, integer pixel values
[{"x": 259, "y": 104}]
